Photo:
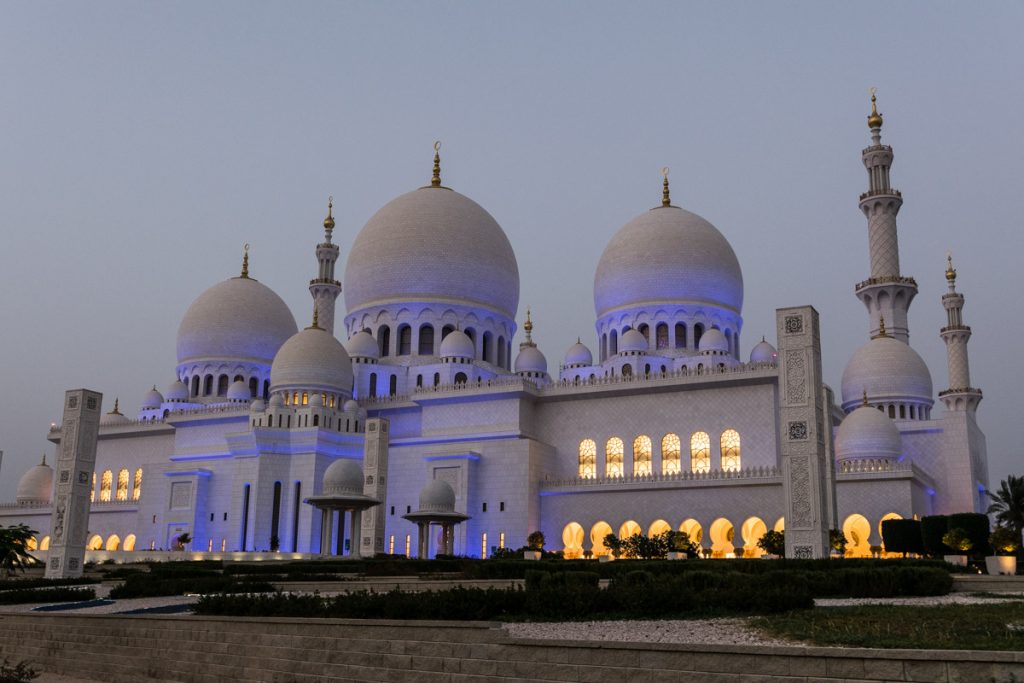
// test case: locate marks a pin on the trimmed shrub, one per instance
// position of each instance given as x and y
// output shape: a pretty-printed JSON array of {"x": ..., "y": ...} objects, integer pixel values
[
  {"x": 902, "y": 536},
  {"x": 148, "y": 585},
  {"x": 933, "y": 528},
  {"x": 17, "y": 597},
  {"x": 976, "y": 527},
  {"x": 21, "y": 584}
]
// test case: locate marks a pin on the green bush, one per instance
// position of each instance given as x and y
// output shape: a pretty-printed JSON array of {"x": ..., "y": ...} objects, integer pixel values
[
  {"x": 976, "y": 528},
  {"x": 1004, "y": 540},
  {"x": 773, "y": 543},
  {"x": 20, "y": 584},
  {"x": 148, "y": 585},
  {"x": 902, "y": 536},
  {"x": 18, "y": 673},
  {"x": 933, "y": 528},
  {"x": 17, "y": 597}
]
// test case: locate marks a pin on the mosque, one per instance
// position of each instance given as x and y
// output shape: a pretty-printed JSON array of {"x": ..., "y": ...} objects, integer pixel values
[{"x": 429, "y": 430}]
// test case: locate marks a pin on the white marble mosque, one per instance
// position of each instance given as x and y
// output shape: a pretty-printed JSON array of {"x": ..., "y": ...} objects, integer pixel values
[{"x": 418, "y": 426}]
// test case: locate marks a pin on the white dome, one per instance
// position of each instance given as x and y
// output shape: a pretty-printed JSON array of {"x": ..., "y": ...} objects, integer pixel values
[
  {"x": 312, "y": 359},
  {"x": 152, "y": 399},
  {"x": 36, "y": 485},
  {"x": 763, "y": 352},
  {"x": 177, "y": 391},
  {"x": 713, "y": 340},
  {"x": 669, "y": 256},
  {"x": 238, "y": 319},
  {"x": 867, "y": 433},
  {"x": 457, "y": 345},
  {"x": 363, "y": 345},
  {"x": 530, "y": 359},
  {"x": 316, "y": 400},
  {"x": 276, "y": 401},
  {"x": 350, "y": 406},
  {"x": 888, "y": 370},
  {"x": 436, "y": 245},
  {"x": 112, "y": 418},
  {"x": 343, "y": 476},
  {"x": 632, "y": 340},
  {"x": 239, "y": 391},
  {"x": 437, "y": 496},
  {"x": 258, "y": 406},
  {"x": 578, "y": 354}
]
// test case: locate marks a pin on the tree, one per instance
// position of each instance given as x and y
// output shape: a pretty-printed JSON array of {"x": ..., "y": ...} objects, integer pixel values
[
  {"x": 837, "y": 540},
  {"x": 14, "y": 553},
  {"x": 535, "y": 541},
  {"x": 647, "y": 547},
  {"x": 1008, "y": 504},
  {"x": 613, "y": 543},
  {"x": 183, "y": 540},
  {"x": 957, "y": 539},
  {"x": 902, "y": 536},
  {"x": 1004, "y": 541},
  {"x": 773, "y": 543}
]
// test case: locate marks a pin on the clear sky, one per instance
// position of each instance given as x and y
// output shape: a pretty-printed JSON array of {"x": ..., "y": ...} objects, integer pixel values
[{"x": 143, "y": 144}]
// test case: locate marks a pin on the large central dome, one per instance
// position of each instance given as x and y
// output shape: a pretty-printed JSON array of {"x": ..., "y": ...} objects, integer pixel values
[
  {"x": 432, "y": 245},
  {"x": 668, "y": 256}
]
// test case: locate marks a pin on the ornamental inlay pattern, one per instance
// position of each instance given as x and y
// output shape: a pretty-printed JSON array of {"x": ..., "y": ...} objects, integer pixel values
[
  {"x": 794, "y": 324},
  {"x": 796, "y": 378},
  {"x": 800, "y": 492}
]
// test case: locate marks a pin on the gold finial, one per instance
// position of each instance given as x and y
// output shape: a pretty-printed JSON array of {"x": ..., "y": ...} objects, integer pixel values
[
  {"x": 329, "y": 221},
  {"x": 881, "y": 327},
  {"x": 578, "y": 340},
  {"x": 528, "y": 325},
  {"x": 435, "y": 181},
  {"x": 316, "y": 318},
  {"x": 245, "y": 261},
  {"x": 44, "y": 458},
  {"x": 665, "y": 200},
  {"x": 865, "y": 402},
  {"x": 874, "y": 119},
  {"x": 115, "y": 411},
  {"x": 950, "y": 270}
]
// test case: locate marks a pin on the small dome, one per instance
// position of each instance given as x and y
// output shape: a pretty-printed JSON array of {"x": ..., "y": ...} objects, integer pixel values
[
  {"x": 363, "y": 345},
  {"x": 436, "y": 245},
  {"x": 312, "y": 359},
  {"x": 713, "y": 340},
  {"x": 239, "y": 391},
  {"x": 343, "y": 476},
  {"x": 316, "y": 400},
  {"x": 36, "y": 485},
  {"x": 114, "y": 417},
  {"x": 579, "y": 354},
  {"x": 889, "y": 371},
  {"x": 530, "y": 359},
  {"x": 668, "y": 256},
  {"x": 351, "y": 406},
  {"x": 152, "y": 399},
  {"x": 236, "y": 319},
  {"x": 258, "y": 406},
  {"x": 177, "y": 391},
  {"x": 763, "y": 352},
  {"x": 632, "y": 340},
  {"x": 457, "y": 345},
  {"x": 276, "y": 401},
  {"x": 867, "y": 433},
  {"x": 437, "y": 496}
]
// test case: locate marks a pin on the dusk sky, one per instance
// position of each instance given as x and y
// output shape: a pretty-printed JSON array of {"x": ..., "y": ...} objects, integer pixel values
[{"x": 143, "y": 144}]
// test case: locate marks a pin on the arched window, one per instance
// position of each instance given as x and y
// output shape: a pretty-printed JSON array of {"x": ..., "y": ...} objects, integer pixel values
[
  {"x": 393, "y": 385},
  {"x": 588, "y": 459},
  {"x": 700, "y": 452},
  {"x": 373, "y": 384},
  {"x": 207, "y": 385},
  {"x": 384, "y": 340},
  {"x": 501, "y": 351},
  {"x": 106, "y": 482},
  {"x": 222, "y": 385},
  {"x": 460, "y": 378},
  {"x": 404, "y": 340},
  {"x": 446, "y": 330},
  {"x": 680, "y": 336},
  {"x": 137, "y": 484},
  {"x": 613, "y": 343},
  {"x": 195, "y": 386},
  {"x": 645, "y": 330},
  {"x": 437, "y": 378},
  {"x": 254, "y": 386},
  {"x": 728, "y": 340},
  {"x": 123, "y": 484},
  {"x": 730, "y": 450},
  {"x": 305, "y": 398},
  {"x": 661, "y": 336},
  {"x": 488, "y": 347},
  {"x": 316, "y": 420},
  {"x": 698, "y": 332},
  {"x": 604, "y": 346},
  {"x": 113, "y": 542},
  {"x": 627, "y": 370},
  {"x": 641, "y": 455},
  {"x": 419, "y": 381},
  {"x": 426, "y": 345},
  {"x": 129, "y": 542},
  {"x": 670, "y": 448},
  {"x": 613, "y": 457}
]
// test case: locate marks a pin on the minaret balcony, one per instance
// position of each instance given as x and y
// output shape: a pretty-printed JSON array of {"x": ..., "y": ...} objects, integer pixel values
[
  {"x": 887, "y": 280},
  {"x": 891, "y": 192},
  {"x": 963, "y": 390},
  {"x": 955, "y": 328},
  {"x": 324, "y": 281}
]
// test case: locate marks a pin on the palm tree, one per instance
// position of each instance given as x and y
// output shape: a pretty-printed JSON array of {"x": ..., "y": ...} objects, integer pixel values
[
  {"x": 1008, "y": 503},
  {"x": 14, "y": 553}
]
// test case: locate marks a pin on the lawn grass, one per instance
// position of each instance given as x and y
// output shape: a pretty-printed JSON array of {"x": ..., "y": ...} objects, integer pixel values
[{"x": 945, "y": 627}]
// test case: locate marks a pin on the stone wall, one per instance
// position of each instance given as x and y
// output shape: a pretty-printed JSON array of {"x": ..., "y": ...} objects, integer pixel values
[{"x": 213, "y": 649}]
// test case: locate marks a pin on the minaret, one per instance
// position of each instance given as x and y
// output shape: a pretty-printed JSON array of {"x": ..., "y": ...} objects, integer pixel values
[
  {"x": 886, "y": 292},
  {"x": 960, "y": 396},
  {"x": 324, "y": 288}
]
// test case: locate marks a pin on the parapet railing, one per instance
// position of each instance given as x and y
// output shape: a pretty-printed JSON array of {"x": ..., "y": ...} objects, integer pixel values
[
  {"x": 672, "y": 477},
  {"x": 888, "y": 280},
  {"x": 881, "y": 193}
]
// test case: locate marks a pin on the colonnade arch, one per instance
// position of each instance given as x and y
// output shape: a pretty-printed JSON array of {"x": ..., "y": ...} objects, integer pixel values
[
  {"x": 722, "y": 533},
  {"x": 572, "y": 540},
  {"x": 857, "y": 531},
  {"x": 597, "y": 534}
]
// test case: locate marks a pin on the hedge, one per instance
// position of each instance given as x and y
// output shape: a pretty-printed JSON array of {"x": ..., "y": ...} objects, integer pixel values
[
  {"x": 21, "y": 584},
  {"x": 149, "y": 585},
  {"x": 976, "y": 526},
  {"x": 933, "y": 528},
  {"x": 15, "y": 597},
  {"x": 902, "y": 536}
]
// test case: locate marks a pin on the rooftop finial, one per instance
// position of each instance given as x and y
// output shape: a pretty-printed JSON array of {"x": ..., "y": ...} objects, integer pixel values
[
  {"x": 528, "y": 328},
  {"x": 44, "y": 458},
  {"x": 245, "y": 261},
  {"x": 316, "y": 318},
  {"x": 881, "y": 327},
  {"x": 329, "y": 221},
  {"x": 665, "y": 200},
  {"x": 115, "y": 411},
  {"x": 865, "y": 402},
  {"x": 950, "y": 270},
  {"x": 874, "y": 119},
  {"x": 435, "y": 181}
]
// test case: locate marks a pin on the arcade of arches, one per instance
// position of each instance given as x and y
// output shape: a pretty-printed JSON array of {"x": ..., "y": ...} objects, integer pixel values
[{"x": 721, "y": 536}]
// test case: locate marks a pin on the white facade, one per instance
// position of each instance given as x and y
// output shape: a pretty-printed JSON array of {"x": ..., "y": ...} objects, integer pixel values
[{"x": 663, "y": 425}]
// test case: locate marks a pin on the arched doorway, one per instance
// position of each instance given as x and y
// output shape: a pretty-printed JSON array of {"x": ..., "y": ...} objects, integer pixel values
[
  {"x": 780, "y": 524},
  {"x": 114, "y": 542},
  {"x": 752, "y": 531},
  {"x": 628, "y": 529},
  {"x": 572, "y": 539},
  {"x": 857, "y": 530},
  {"x": 659, "y": 526},
  {"x": 95, "y": 543},
  {"x": 693, "y": 529},
  {"x": 597, "y": 534},
  {"x": 722, "y": 533},
  {"x": 129, "y": 542}
]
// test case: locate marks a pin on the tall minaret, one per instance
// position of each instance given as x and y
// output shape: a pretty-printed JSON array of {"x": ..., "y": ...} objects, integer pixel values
[
  {"x": 324, "y": 288},
  {"x": 886, "y": 293},
  {"x": 960, "y": 396}
]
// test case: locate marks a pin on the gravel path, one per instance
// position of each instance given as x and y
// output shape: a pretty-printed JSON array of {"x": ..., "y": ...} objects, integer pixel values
[{"x": 725, "y": 631}]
